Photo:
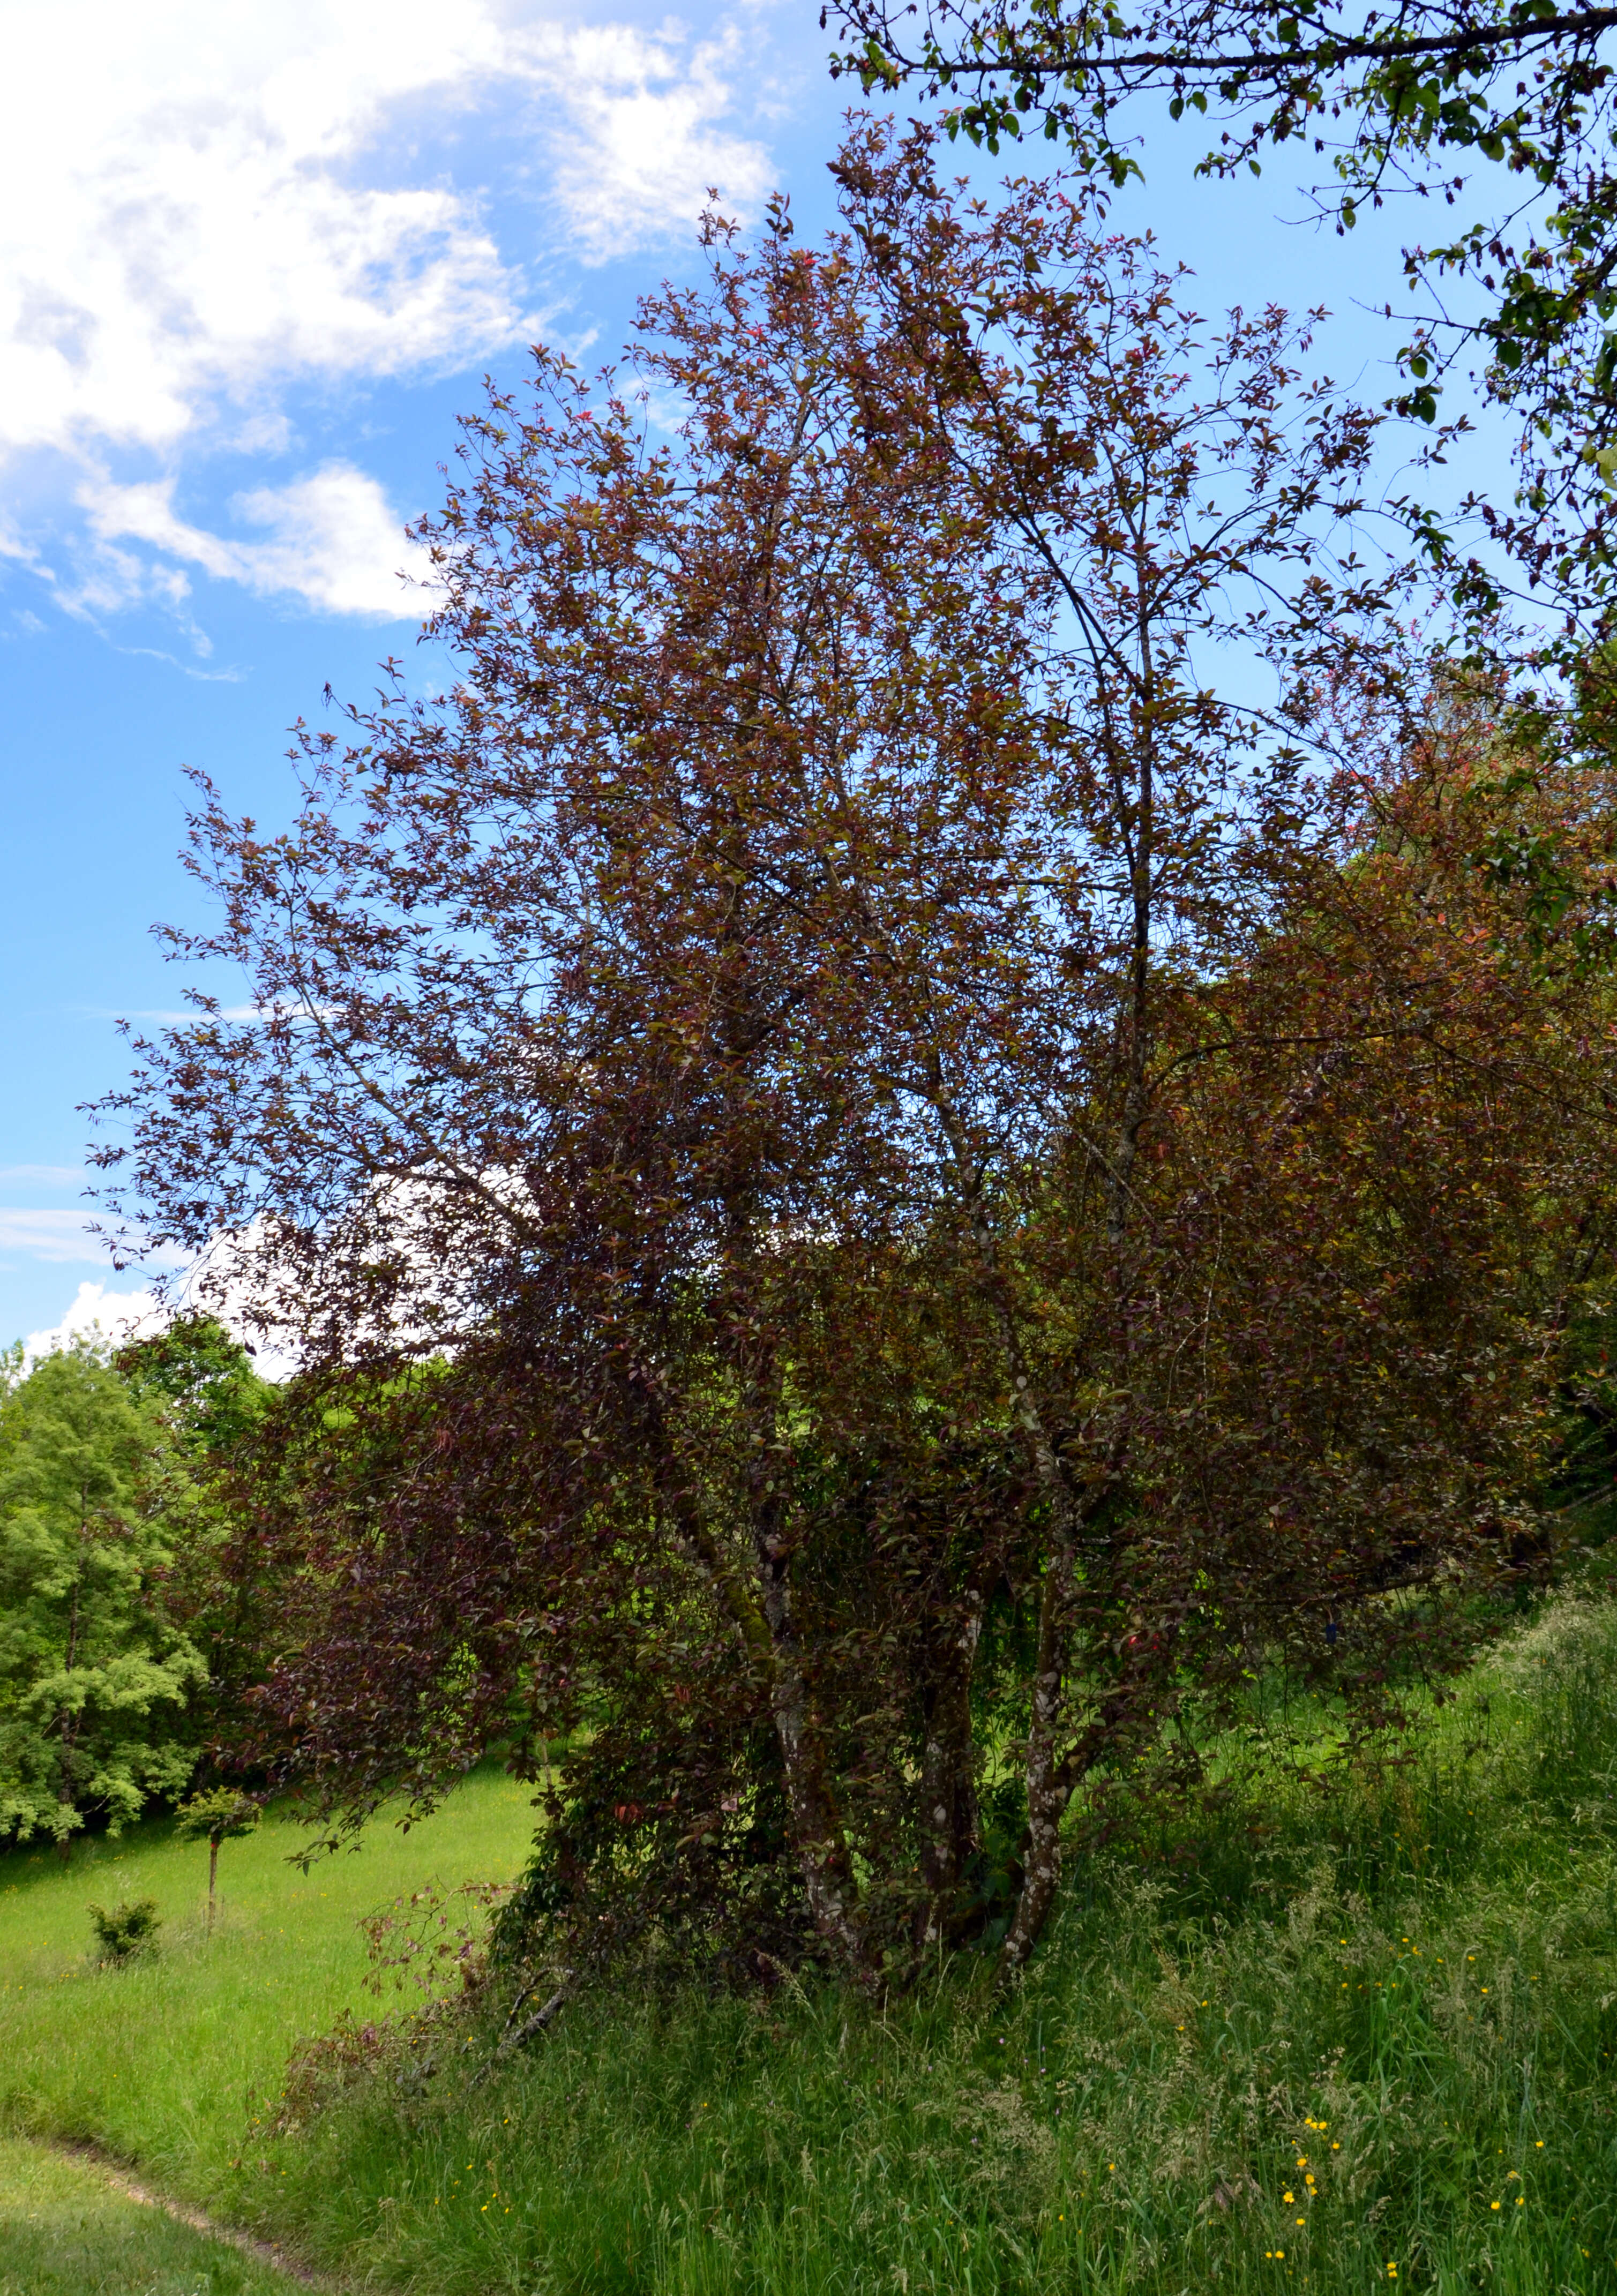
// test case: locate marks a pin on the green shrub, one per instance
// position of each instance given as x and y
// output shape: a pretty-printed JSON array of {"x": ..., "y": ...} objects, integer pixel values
[{"x": 129, "y": 1928}]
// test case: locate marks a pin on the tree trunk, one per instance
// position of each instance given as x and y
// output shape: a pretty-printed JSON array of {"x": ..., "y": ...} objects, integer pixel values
[
  {"x": 65, "y": 1786},
  {"x": 70, "y": 1721},
  {"x": 951, "y": 1827},
  {"x": 816, "y": 1825},
  {"x": 1048, "y": 1789},
  {"x": 764, "y": 1623}
]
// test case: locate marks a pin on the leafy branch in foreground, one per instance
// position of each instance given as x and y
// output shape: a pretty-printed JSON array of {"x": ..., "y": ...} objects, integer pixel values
[{"x": 1408, "y": 99}]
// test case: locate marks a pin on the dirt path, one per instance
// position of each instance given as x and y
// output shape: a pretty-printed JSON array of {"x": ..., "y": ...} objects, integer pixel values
[{"x": 116, "y": 2179}]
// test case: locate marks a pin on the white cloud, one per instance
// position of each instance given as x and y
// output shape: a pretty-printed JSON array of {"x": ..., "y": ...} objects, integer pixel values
[
  {"x": 112, "y": 1317},
  {"x": 331, "y": 539},
  {"x": 646, "y": 144},
  {"x": 98, "y": 1314},
  {"x": 179, "y": 216},
  {"x": 204, "y": 203}
]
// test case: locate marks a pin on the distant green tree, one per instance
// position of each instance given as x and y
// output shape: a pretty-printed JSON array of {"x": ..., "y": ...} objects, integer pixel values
[
  {"x": 201, "y": 1380},
  {"x": 201, "y": 1386},
  {"x": 94, "y": 1676}
]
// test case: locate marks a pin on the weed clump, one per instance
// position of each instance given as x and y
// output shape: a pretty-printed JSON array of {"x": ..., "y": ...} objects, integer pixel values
[{"x": 127, "y": 1930}]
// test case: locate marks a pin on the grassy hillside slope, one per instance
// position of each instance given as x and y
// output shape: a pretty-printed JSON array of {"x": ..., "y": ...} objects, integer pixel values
[{"x": 1331, "y": 2037}]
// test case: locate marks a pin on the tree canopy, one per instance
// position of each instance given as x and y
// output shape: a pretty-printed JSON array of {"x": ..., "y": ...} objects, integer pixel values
[
  {"x": 1504, "y": 112},
  {"x": 200, "y": 1379},
  {"x": 936, "y": 1108}
]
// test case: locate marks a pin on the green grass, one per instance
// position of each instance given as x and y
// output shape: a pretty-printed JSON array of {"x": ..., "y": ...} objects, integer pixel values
[
  {"x": 159, "y": 2059},
  {"x": 62, "y": 2233},
  {"x": 1404, "y": 1989}
]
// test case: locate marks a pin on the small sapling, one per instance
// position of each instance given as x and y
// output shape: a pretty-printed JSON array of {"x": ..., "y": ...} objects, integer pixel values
[{"x": 220, "y": 1815}]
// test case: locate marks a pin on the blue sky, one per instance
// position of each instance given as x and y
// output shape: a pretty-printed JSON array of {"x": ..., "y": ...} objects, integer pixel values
[{"x": 253, "y": 259}]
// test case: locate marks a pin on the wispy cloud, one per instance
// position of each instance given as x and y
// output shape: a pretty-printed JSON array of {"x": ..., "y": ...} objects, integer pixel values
[
  {"x": 48, "y": 1235},
  {"x": 170, "y": 1016},
  {"x": 330, "y": 539},
  {"x": 646, "y": 140},
  {"x": 231, "y": 676},
  {"x": 60, "y": 1235}
]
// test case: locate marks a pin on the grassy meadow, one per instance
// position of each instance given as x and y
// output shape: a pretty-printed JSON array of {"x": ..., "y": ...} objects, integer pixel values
[
  {"x": 166, "y": 2060},
  {"x": 1332, "y": 2037}
]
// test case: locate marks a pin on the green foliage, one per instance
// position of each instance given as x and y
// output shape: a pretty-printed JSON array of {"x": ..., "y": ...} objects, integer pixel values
[
  {"x": 219, "y": 1814},
  {"x": 202, "y": 1380},
  {"x": 127, "y": 1929},
  {"x": 93, "y": 1678},
  {"x": 200, "y": 1385}
]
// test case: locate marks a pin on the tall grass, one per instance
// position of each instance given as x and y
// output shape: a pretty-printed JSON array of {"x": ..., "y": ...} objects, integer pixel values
[
  {"x": 157, "y": 2060},
  {"x": 1326, "y": 2038}
]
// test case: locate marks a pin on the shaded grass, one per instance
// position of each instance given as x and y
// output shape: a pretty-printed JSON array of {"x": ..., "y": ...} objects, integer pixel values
[
  {"x": 1393, "y": 1999},
  {"x": 63, "y": 2234}
]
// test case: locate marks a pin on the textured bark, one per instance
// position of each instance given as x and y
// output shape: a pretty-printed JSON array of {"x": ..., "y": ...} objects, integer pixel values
[
  {"x": 764, "y": 1624},
  {"x": 818, "y": 1837},
  {"x": 951, "y": 1823}
]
